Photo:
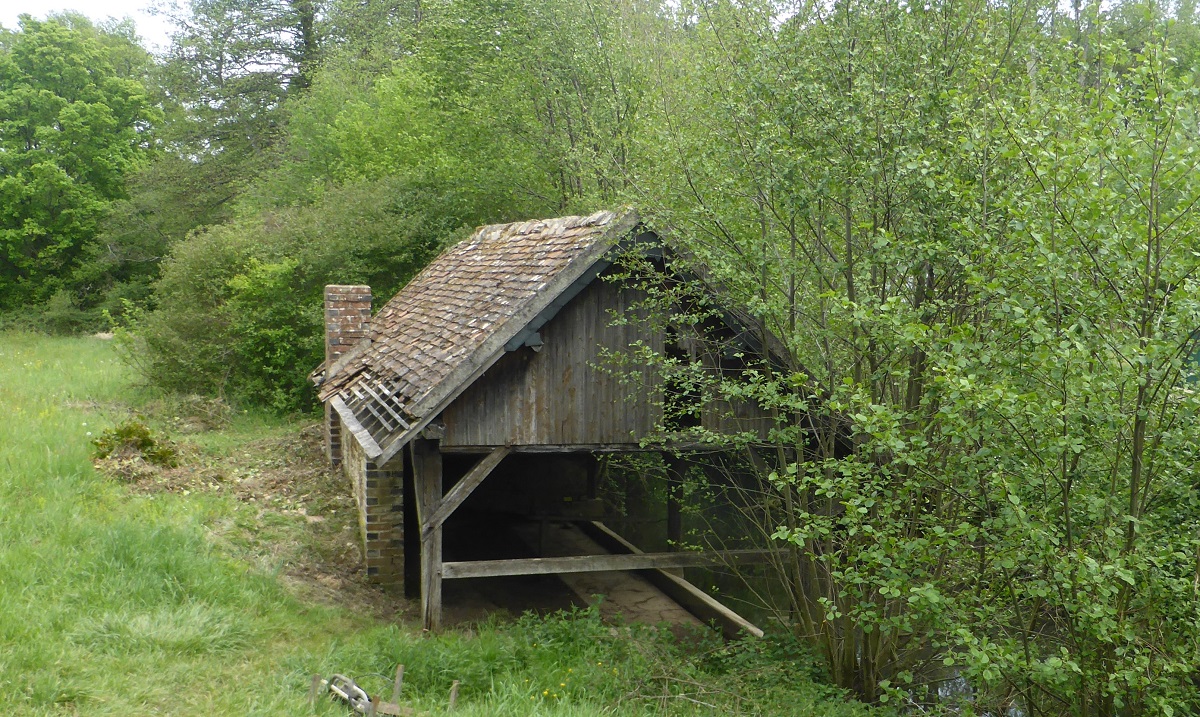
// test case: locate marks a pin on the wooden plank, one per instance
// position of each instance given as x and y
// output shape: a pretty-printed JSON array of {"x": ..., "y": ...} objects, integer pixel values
[
  {"x": 427, "y": 478},
  {"x": 464, "y": 488},
  {"x": 360, "y": 434},
  {"x": 587, "y": 448},
  {"x": 562, "y": 395},
  {"x": 598, "y": 563},
  {"x": 675, "y": 471},
  {"x": 394, "y": 709},
  {"x": 692, "y": 598}
]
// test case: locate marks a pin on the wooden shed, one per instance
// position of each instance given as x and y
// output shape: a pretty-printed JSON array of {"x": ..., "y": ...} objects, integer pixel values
[{"x": 490, "y": 362}]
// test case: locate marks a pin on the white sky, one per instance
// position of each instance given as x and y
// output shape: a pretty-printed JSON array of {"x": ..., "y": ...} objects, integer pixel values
[{"x": 154, "y": 31}]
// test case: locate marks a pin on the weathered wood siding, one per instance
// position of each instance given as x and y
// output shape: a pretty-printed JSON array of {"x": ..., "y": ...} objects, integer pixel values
[
  {"x": 727, "y": 417},
  {"x": 562, "y": 395}
]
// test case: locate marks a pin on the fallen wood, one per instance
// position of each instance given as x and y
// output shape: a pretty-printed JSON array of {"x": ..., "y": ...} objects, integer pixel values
[{"x": 393, "y": 709}]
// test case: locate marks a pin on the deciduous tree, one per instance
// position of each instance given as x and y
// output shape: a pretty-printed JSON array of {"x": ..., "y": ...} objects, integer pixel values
[{"x": 72, "y": 126}]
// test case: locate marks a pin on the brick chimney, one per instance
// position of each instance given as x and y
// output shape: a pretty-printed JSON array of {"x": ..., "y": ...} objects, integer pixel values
[{"x": 347, "y": 313}]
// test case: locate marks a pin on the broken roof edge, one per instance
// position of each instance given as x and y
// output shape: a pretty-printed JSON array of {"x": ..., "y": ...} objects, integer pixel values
[{"x": 435, "y": 400}]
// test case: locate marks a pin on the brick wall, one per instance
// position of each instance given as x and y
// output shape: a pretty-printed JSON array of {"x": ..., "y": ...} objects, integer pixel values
[
  {"x": 379, "y": 495},
  {"x": 347, "y": 313}
]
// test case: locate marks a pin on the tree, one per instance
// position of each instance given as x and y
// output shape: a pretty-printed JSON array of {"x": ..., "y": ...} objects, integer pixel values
[
  {"x": 72, "y": 126},
  {"x": 231, "y": 65},
  {"x": 975, "y": 239}
]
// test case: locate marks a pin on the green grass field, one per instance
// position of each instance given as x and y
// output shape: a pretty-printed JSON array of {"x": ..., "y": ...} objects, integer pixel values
[{"x": 116, "y": 601}]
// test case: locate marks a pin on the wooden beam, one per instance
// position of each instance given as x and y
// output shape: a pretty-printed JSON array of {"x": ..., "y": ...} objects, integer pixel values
[
  {"x": 427, "y": 479},
  {"x": 588, "y": 448},
  {"x": 360, "y": 434},
  {"x": 464, "y": 488},
  {"x": 675, "y": 472},
  {"x": 598, "y": 563},
  {"x": 692, "y": 598}
]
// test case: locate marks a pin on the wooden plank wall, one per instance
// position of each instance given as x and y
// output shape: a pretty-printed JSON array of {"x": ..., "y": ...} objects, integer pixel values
[
  {"x": 736, "y": 417},
  {"x": 558, "y": 396}
]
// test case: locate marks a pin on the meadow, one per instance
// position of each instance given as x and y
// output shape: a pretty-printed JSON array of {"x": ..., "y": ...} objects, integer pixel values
[{"x": 142, "y": 596}]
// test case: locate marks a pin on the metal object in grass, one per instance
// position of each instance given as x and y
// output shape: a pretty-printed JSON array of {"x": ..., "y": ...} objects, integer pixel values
[
  {"x": 348, "y": 691},
  {"x": 345, "y": 689}
]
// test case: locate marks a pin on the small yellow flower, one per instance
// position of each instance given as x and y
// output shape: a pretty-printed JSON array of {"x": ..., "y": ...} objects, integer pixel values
[
  {"x": 570, "y": 669},
  {"x": 562, "y": 684},
  {"x": 545, "y": 692}
]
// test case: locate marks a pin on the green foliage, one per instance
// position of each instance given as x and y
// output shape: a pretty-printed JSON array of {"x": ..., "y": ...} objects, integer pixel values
[
  {"x": 240, "y": 306},
  {"x": 979, "y": 259},
  {"x": 119, "y": 603},
  {"x": 970, "y": 224},
  {"x": 73, "y": 124},
  {"x": 132, "y": 438},
  {"x": 557, "y": 87}
]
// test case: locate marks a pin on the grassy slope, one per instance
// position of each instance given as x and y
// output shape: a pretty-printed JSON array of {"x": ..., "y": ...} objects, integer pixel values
[{"x": 115, "y": 602}]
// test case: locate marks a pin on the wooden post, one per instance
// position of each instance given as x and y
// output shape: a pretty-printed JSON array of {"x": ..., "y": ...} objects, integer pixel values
[
  {"x": 675, "y": 471},
  {"x": 412, "y": 533},
  {"x": 427, "y": 479},
  {"x": 399, "y": 683},
  {"x": 314, "y": 689}
]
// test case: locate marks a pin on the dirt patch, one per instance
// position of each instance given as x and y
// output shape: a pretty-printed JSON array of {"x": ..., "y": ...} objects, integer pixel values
[{"x": 299, "y": 517}]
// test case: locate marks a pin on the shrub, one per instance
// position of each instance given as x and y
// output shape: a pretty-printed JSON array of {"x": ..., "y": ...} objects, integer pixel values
[
  {"x": 239, "y": 307},
  {"x": 133, "y": 439}
]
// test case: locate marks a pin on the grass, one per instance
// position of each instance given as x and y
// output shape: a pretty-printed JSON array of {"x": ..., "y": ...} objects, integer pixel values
[{"x": 116, "y": 600}]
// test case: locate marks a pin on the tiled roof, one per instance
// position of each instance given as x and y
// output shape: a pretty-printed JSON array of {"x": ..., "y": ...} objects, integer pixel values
[{"x": 454, "y": 318}]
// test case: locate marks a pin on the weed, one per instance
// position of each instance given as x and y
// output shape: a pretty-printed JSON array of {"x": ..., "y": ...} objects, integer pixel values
[{"x": 132, "y": 439}]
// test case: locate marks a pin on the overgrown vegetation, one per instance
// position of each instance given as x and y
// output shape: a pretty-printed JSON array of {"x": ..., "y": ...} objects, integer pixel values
[
  {"x": 972, "y": 226},
  {"x": 132, "y": 439},
  {"x": 205, "y": 588},
  {"x": 981, "y": 261}
]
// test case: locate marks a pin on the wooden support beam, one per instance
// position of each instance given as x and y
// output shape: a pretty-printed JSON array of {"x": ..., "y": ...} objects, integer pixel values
[
  {"x": 692, "y": 598},
  {"x": 464, "y": 488},
  {"x": 427, "y": 480},
  {"x": 598, "y": 563},
  {"x": 594, "y": 448},
  {"x": 675, "y": 471}
]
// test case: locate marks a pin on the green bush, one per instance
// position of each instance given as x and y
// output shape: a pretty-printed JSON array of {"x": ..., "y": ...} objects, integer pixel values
[
  {"x": 239, "y": 307},
  {"x": 132, "y": 439}
]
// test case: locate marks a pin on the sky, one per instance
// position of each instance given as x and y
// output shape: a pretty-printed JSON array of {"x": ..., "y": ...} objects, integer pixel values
[{"x": 155, "y": 31}]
